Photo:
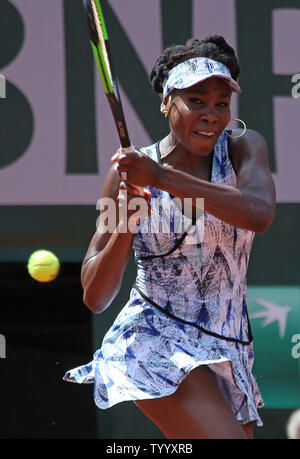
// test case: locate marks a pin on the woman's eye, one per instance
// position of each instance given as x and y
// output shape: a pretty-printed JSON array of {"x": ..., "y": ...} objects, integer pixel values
[{"x": 195, "y": 100}]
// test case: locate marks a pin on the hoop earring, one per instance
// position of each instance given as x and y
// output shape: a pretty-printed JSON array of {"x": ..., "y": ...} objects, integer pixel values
[
  {"x": 240, "y": 135},
  {"x": 165, "y": 108}
]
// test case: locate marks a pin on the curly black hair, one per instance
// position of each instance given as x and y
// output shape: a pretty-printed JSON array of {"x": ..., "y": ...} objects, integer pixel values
[{"x": 213, "y": 47}]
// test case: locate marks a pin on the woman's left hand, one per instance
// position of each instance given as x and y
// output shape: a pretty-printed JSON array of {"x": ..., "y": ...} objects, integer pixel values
[{"x": 141, "y": 170}]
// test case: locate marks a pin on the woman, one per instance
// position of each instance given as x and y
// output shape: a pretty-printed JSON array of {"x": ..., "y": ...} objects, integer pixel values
[{"x": 181, "y": 348}]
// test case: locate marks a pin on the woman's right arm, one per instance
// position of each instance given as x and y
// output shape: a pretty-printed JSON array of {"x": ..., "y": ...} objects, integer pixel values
[{"x": 107, "y": 256}]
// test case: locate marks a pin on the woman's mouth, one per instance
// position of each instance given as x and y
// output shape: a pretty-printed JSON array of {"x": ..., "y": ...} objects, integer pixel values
[{"x": 205, "y": 134}]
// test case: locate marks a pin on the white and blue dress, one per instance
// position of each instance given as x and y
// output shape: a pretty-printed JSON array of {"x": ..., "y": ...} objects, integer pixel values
[{"x": 187, "y": 307}]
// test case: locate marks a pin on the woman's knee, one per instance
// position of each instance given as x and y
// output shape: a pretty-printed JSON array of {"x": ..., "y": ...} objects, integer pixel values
[{"x": 248, "y": 429}]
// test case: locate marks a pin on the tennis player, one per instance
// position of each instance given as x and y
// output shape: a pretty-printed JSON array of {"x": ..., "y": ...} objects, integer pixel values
[{"x": 181, "y": 348}]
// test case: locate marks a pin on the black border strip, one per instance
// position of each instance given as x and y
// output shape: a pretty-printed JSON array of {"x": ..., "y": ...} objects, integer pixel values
[{"x": 216, "y": 335}]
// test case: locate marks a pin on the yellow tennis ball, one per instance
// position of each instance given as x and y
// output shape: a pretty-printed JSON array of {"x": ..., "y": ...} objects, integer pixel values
[{"x": 43, "y": 266}]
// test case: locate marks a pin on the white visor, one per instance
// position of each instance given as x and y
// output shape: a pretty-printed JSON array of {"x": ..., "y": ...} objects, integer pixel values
[{"x": 194, "y": 71}]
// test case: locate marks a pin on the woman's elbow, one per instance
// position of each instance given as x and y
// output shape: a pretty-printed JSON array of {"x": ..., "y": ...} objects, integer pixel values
[
  {"x": 97, "y": 305},
  {"x": 266, "y": 220},
  {"x": 94, "y": 306}
]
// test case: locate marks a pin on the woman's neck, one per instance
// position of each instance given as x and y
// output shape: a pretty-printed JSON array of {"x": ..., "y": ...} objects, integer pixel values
[{"x": 176, "y": 155}]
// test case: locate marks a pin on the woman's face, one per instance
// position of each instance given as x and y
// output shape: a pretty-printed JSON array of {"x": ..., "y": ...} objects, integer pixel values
[{"x": 199, "y": 114}]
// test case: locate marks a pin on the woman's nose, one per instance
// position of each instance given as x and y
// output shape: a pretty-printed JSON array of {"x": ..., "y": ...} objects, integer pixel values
[{"x": 209, "y": 117}]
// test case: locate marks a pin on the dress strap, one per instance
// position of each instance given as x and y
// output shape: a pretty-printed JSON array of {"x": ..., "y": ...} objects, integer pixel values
[{"x": 158, "y": 152}]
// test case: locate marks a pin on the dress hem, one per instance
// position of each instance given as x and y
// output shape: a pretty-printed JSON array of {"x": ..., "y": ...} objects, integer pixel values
[{"x": 90, "y": 379}]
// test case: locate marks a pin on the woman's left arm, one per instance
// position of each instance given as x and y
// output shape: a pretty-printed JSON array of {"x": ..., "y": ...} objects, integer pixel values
[{"x": 251, "y": 205}]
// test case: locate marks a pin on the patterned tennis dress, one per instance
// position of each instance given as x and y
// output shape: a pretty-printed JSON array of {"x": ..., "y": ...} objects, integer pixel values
[{"x": 188, "y": 307}]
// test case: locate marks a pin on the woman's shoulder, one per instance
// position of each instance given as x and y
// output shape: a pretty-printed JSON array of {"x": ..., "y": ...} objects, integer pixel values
[
  {"x": 250, "y": 136},
  {"x": 246, "y": 147}
]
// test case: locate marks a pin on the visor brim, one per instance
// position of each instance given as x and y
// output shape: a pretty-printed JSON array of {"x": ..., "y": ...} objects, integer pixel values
[{"x": 198, "y": 79}]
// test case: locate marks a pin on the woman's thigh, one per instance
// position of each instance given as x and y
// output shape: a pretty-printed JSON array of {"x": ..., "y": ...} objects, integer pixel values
[{"x": 197, "y": 409}]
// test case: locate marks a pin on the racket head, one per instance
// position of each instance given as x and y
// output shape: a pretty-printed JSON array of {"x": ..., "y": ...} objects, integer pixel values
[{"x": 100, "y": 46}]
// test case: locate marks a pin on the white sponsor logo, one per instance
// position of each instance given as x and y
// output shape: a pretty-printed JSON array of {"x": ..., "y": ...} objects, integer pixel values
[
  {"x": 296, "y": 349},
  {"x": 296, "y": 88},
  {"x": 2, "y": 347},
  {"x": 2, "y": 87},
  {"x": 272, "y": 313}
]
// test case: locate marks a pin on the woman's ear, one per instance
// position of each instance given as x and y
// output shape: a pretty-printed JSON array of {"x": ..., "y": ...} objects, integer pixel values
[{"x": 165, "y": 107}]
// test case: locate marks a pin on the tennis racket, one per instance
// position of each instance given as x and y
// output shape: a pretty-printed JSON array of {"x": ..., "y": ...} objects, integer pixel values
[{"x": 100, "y": 46}]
